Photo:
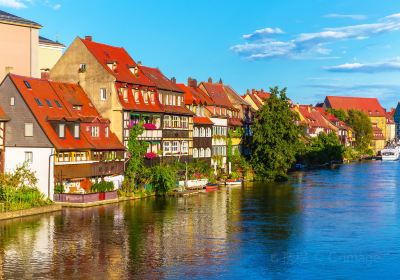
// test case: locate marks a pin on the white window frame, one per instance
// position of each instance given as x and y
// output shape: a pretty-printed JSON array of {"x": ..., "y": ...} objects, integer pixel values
[
  {"x": 202, "y": 132},
  {"x": 61, "y": 130},
  {"x": 94, "y": 131},
  {"x": 175, "y": 147},
  {"x": 208, "y": 152},
  {"x": 195, "y": 132},
  {"x": 28, "y": 129},
  {"x": 12, "y": 101},
  {"x": 136, "y": 95},
  {"x": 28, "y": 156},
  {"x": 103, "y": 94},
  {"x": 167, "y": 121},
  {"x": 185, "y": 147},
  {"x": 208, "y": 132},
  {"x": 195, "y": 153},
  {"x": 175, "y": 121},
  {"x": 76, "y": 130},
  {"x": 166, "y": 147},
  {"x": 107, "y": 131},
  {"x": 201, "y": 154},
  {"x": 185, "y": 122}
]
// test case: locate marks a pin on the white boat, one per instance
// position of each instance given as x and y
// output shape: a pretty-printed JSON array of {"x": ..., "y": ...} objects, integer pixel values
[{"x": 391, "y": 153}]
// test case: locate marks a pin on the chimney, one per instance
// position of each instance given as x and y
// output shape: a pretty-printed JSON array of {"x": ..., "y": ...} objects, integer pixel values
[
  {"x": 139, "y": 63},
  {"x": 45, "y": 75},
  {"x": 253, "y": 91},
  {"x": 210, "y": 80},
  {"x": 192, "y": 82},
  {"x": 88, "y": 37},
  {"x": 248, "y": 91},
  {"x": 173, "y": 79},
  {"x": 220, "y": 81}
]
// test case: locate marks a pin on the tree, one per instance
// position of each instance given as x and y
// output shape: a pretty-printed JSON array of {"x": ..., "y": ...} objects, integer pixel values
[
  {"x": 137, "y": 150},
  {"x": 361, "y": 124},
  {"x": 276, "y": 139},
  {"x": 322, "y": 149},
  {"x": 338, "y": 113}
]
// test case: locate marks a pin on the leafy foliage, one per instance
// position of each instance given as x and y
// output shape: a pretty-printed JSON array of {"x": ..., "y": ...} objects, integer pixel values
[
  {"x": 59, "y": 188},
  {"x": 361, "y": 124},
  {"x": 137, "y": 149},
  {"x": 102, "y": 186},
  {"x": 163, "y": 178},
  {"x": 18, "y": 190},
  {"x": 276, "y": 138},
  {"x": 322, "y": 149},
  {"x": 338, "y": 113}
]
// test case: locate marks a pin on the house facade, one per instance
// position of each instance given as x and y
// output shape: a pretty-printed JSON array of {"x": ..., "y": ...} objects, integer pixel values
[
  {"x": 196, "y": 101},
  {"x": 57, "y": 130},
  {"x": 3, "y": 121}
]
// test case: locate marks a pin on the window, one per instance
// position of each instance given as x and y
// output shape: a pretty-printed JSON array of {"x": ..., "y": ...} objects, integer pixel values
[
  {"x": 28, "y": 129},
  {"x": 82, "y": 68},
  {"x": 201, "y": 152},
  {"x": 167, "y": 121},
  {"x": 167, "y": 147},
  {"x": 77, "y": 107},
  {"x": 145, "y": 97},
  {"x": 125, "y": 94},
  {"x": 208, "y": 134},
  {"x": 195, "y": 132},
  {"x": 160, "y": 98},
  {"x": 185, "y": 147},
  {"x": 103, "y": 94},
  {"x": 202, "y": 132},
  {"x": 95, "y": 131},
  {"x": 136, "y": 95},
  {"x": 29, "y": 157},
  {"x": 57, "y": 103},
  {"x": 61, "y": 130},
  {"x": 152, "y": 98},
  {"x": 176, "y": 121},
  {"x": 76, "y": 130},
  {"x": 107, "y": 131},
  {"x": 175, "y": 147},
  {"x": 38, "y": 101},
  {"x": 195, "y": 153},
  {"x": 179, "y": 101},
  {"x": 27, "y": 84},
  {"x": 49, "y": 103},
  {"x": 208, "y": 152},
  {"x": 12, "y": 101},
  {"x": 184, "y": 122}
]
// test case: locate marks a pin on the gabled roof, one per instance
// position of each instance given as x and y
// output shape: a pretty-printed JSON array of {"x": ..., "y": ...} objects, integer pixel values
[
  {"x": 195, "y": 96},
  {"x": 13, "y": 19},
  {"x": 138, "y": 105},
  {"x": 179, "y": 110},
  {"x": 45, "y": 41},
  {"x": 314, "y": 118},
  {"x": 235, "y": 96},
  {"x": 158, "y": 78},
  {"x": 369, "y": 106},
  {"x": 202, "y": 120},
  {"x": 217, "y": 94},
  {"x": 55, "y": 98},
  {"x": 106, "y": 54}
]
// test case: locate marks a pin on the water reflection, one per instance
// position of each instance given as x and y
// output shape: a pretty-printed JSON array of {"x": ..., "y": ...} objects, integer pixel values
[{"x": 332, "y": 222}]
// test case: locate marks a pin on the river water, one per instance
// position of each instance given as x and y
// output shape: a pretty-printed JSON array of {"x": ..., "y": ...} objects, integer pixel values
[{"x": 326, "y": 224}]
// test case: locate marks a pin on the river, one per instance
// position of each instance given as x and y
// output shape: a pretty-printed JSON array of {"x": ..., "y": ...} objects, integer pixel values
[{"x": 325, "y": 224}]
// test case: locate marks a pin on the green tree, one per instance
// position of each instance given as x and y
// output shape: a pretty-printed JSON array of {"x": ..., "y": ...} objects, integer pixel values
[
  {"x": 361, "y": 124},
  {"x": 163, "y": 178},
  {"x": 276, "y": 139},
  {"x": 322, "y": 149},
  {"x": 137, "y": 150},
  {"x": 338, "y": 113}
]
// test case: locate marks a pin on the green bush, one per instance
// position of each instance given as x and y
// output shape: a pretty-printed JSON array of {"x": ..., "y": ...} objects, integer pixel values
[
  {"x": 163, "y": 179},
  {"x": 102, "y": 186},
  {"x": 59, "y": 188}
]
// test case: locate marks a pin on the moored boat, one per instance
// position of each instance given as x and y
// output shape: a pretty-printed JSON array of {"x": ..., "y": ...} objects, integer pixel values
[
  {"x": 211, "y": 187},
  {"x": 233, "y": 182},
  {"x": 390, "y": 153}
]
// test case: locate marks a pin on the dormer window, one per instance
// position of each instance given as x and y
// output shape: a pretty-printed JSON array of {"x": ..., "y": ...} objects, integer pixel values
[
  {"x": 103, "y": 94},
  {"x": 77, "y": 107},
  {"x": 76, "y": 131},
  {"x": 49, "y": 103},
  {"x": 61, "y": 130},
  {"x": 134, "y": 70},
  {"x": 57, "y": 103},
  {"x": 107, "y": 131},
  {"x": 152, "y": 98},
  {"x": 125, "y": 94},
  {"x": 112, "y": 65},
  {"x": 145, "y": 97},
  {"x": 94, "y": 131}
]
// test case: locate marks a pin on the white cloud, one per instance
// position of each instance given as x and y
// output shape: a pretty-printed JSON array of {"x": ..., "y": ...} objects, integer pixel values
[
  {"x": 57, "y": 6},
  {"x": 261, "y": 46},
  {"x": 263, "y": 32},
  {"x": 15, "y": 4},
  {"x": 377, "y": 67},
  {"x": 348, "y": 16}
]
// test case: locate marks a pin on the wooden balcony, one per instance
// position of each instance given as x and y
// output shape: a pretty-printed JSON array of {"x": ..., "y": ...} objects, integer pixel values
[
  {"x": 151, "y": 134},
  {"x": 87, "y": 170}
]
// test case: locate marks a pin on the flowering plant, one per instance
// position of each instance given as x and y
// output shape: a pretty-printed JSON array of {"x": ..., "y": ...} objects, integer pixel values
[
  {"x": 150, "y": 155},
  {"x": 149, "y": 126}
]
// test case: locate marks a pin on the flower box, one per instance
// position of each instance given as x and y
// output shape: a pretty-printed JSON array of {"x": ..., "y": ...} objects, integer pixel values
[
  {"x": 150, "y": 155},
  {"x": 149, "y": 126}
]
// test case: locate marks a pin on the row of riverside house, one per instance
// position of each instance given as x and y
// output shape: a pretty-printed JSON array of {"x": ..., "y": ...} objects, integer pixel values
[{"x": 69, "y": 115}]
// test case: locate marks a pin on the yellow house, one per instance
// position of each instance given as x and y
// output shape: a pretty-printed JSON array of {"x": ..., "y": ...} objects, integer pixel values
[{"x": 49, "y": 53}]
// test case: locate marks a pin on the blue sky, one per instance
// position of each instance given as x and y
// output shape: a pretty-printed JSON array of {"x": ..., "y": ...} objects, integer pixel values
[{"x": 314, "y": 48}]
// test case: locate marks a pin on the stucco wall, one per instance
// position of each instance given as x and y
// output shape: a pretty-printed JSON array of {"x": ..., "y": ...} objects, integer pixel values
[
  {"x": 15, "y": 156},
  {"x": 48, "y": 56},
  {"x": 19, "y": 49}
]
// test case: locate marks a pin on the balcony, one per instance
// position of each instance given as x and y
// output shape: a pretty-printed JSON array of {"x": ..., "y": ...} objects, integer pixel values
[
  {"x": 151, "y": 134},
  {"x": 87, "y": 170}
]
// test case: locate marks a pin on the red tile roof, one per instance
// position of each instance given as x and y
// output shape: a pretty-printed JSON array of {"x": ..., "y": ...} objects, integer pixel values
[
  {"x": 195, "y": 95},
  {"x": 110, "y": 54},
  {"x": 235, "y": 96},
  {"x": 235, "y": 122},
  {"x": 369, "y": 106},
  {"x": 202, "y": 120},
  {"x": 140, "y": 106},
  {"x": 217, "y": 94},
  {"x": 50, "y": 93},
  {"x": 256, "y": 101},
  {"x": 179, "y": 110},
  {"x": 159, "y": 79},
  {"x": 314, "y": 118}
]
